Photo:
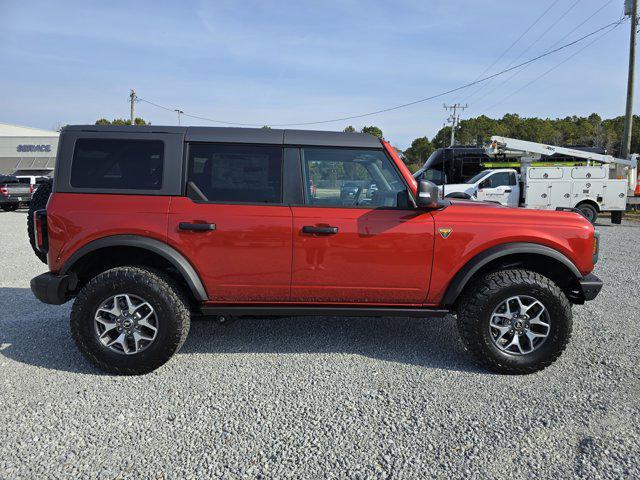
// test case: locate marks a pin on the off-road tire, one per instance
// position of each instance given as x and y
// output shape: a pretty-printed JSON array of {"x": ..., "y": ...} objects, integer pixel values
[
  {"x": 481, "y": 298},
  {"x": 38, "y": 202},
  {"x": 10, "y": 207},
  {"x": 168, "y": 301},
  {"x": 588, "y": 211}
]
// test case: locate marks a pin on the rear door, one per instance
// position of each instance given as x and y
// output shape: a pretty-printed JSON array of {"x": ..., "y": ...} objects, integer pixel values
[
  {"x": 355, "y": 238},
  {"x": 233, "y": 224}
]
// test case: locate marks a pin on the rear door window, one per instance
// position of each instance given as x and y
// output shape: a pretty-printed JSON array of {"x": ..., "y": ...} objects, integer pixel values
[
  {"x": 119, "y": 164},
  {"x": 236, "y": 173}
]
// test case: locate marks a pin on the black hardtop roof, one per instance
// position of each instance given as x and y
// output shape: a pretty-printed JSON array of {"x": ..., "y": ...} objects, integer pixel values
[{"x": 245, "y": 135}]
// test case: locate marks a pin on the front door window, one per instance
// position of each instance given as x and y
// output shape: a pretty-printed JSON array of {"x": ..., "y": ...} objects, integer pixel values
[{"x": 350, "y": 178}]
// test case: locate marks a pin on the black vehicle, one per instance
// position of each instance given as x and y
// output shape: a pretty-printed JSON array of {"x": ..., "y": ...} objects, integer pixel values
[
  {"x": 453, "y": 165},
  {"x": 460, "y": 163}
]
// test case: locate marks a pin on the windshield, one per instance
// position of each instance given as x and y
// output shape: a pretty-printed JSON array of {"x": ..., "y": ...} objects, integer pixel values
[{"x": 477, "y": 177}]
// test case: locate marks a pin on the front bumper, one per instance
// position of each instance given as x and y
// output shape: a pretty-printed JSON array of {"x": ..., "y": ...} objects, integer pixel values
[
  {"x": 591, "y": 286},
  {"x": 53, "y": 289}
]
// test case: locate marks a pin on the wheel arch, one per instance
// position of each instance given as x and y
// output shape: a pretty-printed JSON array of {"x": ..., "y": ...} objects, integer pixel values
[
  {"x": 136, "y": 250},
  {"x": 539, "y": 258}
]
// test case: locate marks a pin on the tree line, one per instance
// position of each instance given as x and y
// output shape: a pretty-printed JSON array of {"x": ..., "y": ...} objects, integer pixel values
[{"x": 591, "y": 131}]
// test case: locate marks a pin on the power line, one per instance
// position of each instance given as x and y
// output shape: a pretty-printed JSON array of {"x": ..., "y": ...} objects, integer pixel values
[
  {"x": 396, "y": 107},
  {"x": 540, "y": 37},
  {"x": 554, "y": 67},
  {"x": 561, "y": 39},
  {"x": 517, "y": 72},
  {"x": 508, "y": 49}
]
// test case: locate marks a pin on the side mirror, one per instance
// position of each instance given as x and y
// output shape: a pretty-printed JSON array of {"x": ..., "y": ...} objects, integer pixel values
[{"x": 427, "y": 194}]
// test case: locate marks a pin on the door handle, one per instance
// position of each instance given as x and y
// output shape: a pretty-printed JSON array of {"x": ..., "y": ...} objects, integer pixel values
[
  {"x": 507, "y": 190},
  {"x": 320, "y": 230},
  {"x": 197, "y": 227}
]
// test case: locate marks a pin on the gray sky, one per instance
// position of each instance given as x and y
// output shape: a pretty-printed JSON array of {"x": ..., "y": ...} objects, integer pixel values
[{"x": 287, "y": 62}]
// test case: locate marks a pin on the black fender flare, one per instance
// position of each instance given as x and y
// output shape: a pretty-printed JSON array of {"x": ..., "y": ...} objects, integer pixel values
[
  {"x": 461, "y": 279},
  {"x": 156, "y": 246}
]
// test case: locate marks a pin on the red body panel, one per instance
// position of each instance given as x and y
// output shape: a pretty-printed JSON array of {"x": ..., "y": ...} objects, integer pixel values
[
  {"x": 479, "y": 226},
  {"x": 247, "y": 258},
  {"x": 75, "y": 219},
  {"x": 379, "y": 256},
  {"x": 406, "y": 173},
  {"x": 258, "y": 254}
]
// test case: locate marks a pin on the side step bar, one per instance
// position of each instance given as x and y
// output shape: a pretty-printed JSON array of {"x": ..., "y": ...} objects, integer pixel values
[{"x": 322, "y": 311}]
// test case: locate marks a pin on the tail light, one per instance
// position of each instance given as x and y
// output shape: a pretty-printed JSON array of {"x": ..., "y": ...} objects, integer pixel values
[
  {"x": 4, "y": 191},
  {"x": 40, "y": 230},
  {"x": 596, "y": 246},
  {"x": 30, "y": 188}
]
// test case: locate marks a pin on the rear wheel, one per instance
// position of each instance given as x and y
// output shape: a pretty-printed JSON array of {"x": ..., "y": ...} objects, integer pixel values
[
  {"x": 515, "y": 321},
  {"x": 588, "y": 211},
  {"x": 10, "y": 207},
  {"x": 130, "y": 320}
]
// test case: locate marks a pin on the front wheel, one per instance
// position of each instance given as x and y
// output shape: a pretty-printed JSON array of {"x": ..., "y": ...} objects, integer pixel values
[
  {"x": 515, "y": 321},
  {"x": 130, "y": 320}
]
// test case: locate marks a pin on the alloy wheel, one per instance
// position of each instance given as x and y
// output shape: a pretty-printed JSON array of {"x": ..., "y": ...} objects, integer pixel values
[
  {"x": 126, "y": 324},
  {"x": 519, "y": 325}
]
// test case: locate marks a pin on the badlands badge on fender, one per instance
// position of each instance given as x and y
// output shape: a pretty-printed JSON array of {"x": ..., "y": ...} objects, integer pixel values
[{"x": 445, "y": 232}]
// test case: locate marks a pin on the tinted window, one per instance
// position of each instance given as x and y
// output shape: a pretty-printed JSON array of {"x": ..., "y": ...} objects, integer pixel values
[
  {"x": 434, "y": 176},
  {"x": 8, "y": 179},
  {"x": 499, "y": 179},
  {"x": 237, "y": 173},
  {"x": 350, "y": 177},
  {"x": 471, "y": 166},
  {"x": 117, "y": 164}
]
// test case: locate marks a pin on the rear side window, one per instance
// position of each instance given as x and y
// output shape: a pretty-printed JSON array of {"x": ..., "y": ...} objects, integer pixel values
[
  {"x": 236, "y": 173},
  {"x": 117, "y": 164}
]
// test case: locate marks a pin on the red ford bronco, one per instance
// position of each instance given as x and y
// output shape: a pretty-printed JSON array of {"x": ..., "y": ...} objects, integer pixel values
[{"x": 148, "y": 225}]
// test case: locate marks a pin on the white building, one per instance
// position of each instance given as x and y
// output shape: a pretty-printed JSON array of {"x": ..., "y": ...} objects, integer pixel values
[{"x": 30, "y": 150}]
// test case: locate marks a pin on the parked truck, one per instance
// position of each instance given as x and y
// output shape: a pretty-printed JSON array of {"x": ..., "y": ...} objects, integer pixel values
[
  {"x": 13, "y": 193},
  {"x": 588, "y": 188}
]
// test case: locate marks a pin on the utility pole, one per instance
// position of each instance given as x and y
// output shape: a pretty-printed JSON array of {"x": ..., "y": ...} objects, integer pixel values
[
  {"x": 132, "y": 96},
  {"x": 178, "y": 111},
  {"x": 631, "y": 9},
  {"x": 454, "y": 118}
]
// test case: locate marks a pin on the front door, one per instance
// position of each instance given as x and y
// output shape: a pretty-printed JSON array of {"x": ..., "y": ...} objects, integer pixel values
[
  {"x": 501, "y": 187},
  {"x": 233, "y": 225},
  {"x": 354, "y": 239}
]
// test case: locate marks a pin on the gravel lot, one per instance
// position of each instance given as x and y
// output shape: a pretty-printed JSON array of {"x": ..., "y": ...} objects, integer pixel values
[{"x": 323, "y": 397}]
